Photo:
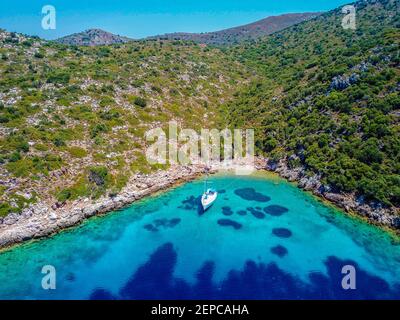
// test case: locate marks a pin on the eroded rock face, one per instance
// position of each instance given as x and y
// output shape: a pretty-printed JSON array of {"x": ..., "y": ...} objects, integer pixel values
[
  {"x": 284, "y": 171},
  {"x": 272, "y": 165},
  {"x": 310, "y": 183}
]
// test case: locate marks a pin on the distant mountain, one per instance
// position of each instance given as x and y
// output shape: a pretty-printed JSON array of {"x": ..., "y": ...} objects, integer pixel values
[
  {"x": 93, "y": 37},
  {"x": 246, "y": 32},
  {"x": 96, "y": 37}
]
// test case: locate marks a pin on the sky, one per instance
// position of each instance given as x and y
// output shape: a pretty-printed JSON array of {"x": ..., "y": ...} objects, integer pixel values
[{"x": 137, "y": 19}]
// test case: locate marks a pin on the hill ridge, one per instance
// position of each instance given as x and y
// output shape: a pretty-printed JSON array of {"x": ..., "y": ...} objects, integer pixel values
[
  {"x": 93, "y": 37},
  {"x": 250, "y": 31}
]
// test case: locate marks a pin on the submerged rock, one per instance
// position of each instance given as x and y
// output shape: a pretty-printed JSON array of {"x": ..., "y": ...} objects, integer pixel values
[
  {"x": 251, "y": 195},
  {"x": 279, "y": 251},
  {"x": 282, "y": 232},
  {"x": 150, "y": 227},
  {"x": 275, "y": 210},
  {"x": 227, "y": 211},
  {"x": 256, "y": 213},
  {"x": 229, "y": 223}
]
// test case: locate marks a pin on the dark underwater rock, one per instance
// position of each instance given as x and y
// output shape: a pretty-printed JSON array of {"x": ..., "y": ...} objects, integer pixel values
[
  {"x": 256, "y": 213},
  {"x": 150, "y": 227},
  {"x": 275, "y": 210},
  {"x": 279, "y": 251},
  {"x": 227, "y": 211},
  {"x": 229, "y": 223},
  {"x": 251, "y": 195},
  {"x": 282, "y": 232},
  {"x": 162, "y": 223}
]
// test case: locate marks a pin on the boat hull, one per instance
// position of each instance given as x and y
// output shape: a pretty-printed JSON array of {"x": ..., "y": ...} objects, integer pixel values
[{"x": 208, "y": 200}]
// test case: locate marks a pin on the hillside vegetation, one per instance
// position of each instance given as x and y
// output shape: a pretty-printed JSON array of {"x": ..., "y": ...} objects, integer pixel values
[
  {"x": 328, "y": 100},
  {"x": 73, "y": 119}
]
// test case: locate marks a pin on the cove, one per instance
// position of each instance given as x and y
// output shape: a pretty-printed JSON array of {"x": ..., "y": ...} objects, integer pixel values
[{"x": 164, "y": 247}]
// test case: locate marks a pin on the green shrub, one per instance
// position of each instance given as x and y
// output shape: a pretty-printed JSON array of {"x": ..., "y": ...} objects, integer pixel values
[
  {"x": 97, "y": 129},
  {"x": 5, "y": 209},
  {"x": 4, "y": 119},
  {"x": 59, "y": 141},
  {"x": 64, "y": 195},
  {"x": 59, "y": 77},
  {"x": 15, "y": 156},
  {"x": 39, "y": 55},
  {"x": 77, "y": 152},
  {"x": 138, "y": 101},
  {"x": 98, "y": 175},
  {"x": 106, "y": 101}
]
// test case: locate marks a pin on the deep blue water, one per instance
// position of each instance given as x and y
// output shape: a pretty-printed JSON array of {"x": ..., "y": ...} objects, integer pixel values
[{"x": 263, "y": 239}]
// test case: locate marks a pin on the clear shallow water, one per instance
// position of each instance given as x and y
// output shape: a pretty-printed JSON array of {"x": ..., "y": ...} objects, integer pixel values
[{"x": 262, "y": 239}]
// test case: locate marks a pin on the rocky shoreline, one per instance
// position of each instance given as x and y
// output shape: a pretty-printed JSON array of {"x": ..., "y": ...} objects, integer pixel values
[
  {"x": 43, "y": 219},
  {"x": 375, "y": 212}
]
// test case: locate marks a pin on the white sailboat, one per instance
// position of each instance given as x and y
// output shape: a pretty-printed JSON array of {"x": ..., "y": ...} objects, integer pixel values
[{"x": 209, "y": 196}]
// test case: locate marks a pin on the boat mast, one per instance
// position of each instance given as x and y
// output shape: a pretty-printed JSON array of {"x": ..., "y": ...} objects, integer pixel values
[{"x": 205, "y": 182}]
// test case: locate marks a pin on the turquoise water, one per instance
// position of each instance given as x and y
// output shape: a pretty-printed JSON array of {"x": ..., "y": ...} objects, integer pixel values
[{"x": 262, "y": 239}]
